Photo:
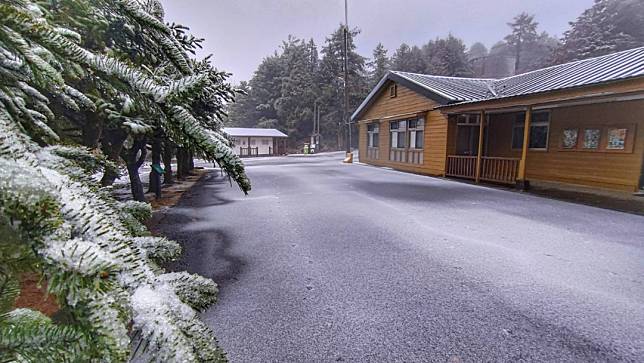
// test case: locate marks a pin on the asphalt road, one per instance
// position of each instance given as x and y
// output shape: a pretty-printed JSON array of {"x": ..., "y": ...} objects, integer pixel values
[{"x": 327, "y": 262}]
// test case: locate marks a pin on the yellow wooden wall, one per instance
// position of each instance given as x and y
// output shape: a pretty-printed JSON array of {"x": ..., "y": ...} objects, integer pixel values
[
  {"x": 612, "y": 170},
  {"x": 620, "y": 171},
  {"x": 404, "y": 105}
]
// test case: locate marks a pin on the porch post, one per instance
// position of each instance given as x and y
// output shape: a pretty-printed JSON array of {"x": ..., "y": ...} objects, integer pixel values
[
  {"x": 479, "y": 154},
  {"x": 521, "y": 179}
]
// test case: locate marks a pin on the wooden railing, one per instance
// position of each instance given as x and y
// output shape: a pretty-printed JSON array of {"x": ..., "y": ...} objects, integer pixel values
[
  {"x": 461, "y": 166},
  {"x": 494, "y": 169},
  {"x": 500, "y": 170},
  {"x": 248, "y": 151}
]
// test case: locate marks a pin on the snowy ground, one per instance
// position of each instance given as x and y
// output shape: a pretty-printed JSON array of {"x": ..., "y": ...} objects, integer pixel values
[{"x": 325, "y": 261}]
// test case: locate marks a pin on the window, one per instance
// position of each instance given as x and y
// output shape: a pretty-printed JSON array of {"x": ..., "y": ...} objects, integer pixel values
[
  {"x": 373, "y": 134},
  {"x": 265, "y": 141},
  {"x": 253, "y": 141},
  {"x": 393, "y": 90},
  {"x": 539, "y": 128},
  {"x": 468, "y": 120},
  {"x": 398, "y": 132},
  {"x": 406, "y": 140},
  {"x": 416, "y": 133}
]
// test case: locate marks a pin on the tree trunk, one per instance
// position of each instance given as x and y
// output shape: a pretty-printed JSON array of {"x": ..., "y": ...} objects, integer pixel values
[
  {"x": 167, "y": 162},
  {"x": 181, "y": 163},
  {"x": 155, "y": 177},
  {"x": 112, "y": 145},
  {"x": 134, "y": 160},
  {"x": 517, "y": 59},
  {"x": 92, "y": 129},
  {"x": 191, "y": 162}
]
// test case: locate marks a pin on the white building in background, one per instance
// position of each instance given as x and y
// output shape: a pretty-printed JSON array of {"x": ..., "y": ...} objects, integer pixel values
[{"x": 256, "y": 141}]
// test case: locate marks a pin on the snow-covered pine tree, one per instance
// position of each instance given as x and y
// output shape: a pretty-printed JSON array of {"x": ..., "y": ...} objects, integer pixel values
[
  {"x": 299, "y": 90},
  {"x": 524, "y": 32},
  {"x": 409, "y": 59},
  {"x": 608, "y": 26},
  {"x": 379, "y": 64},
  {"x": 95, "y": 256},
  {"x": 128, "y": 120},
  {"x": 330, "y": 80}
]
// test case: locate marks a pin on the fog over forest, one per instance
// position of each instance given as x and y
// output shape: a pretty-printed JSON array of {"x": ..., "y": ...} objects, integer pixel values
[{"x": 303, "y": 71}]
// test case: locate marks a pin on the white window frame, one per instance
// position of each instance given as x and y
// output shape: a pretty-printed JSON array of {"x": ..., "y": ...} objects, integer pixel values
[
  {"x": 402, "y": 128},
  {"x": 420, "y": 126},
  {"x": 373, "y": 134}
]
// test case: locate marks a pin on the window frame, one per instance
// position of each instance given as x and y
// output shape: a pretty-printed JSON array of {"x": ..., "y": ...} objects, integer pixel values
[
  {"x": 419, "y": 127},
  {"x": 401, "y": 128},
  {"x": 373, "y": 135},
  {"x": 519, "y": 123},
  {"x": 393, "y": 90},
  {"x": 404, "y": 131}
]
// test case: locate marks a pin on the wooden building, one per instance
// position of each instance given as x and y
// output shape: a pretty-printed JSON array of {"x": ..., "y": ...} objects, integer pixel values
[
  {"x": 582, "y": 123},
  {"x": 257, "y": 141}
]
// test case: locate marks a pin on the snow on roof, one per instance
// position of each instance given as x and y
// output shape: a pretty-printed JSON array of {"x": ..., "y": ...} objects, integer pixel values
[
  {"x": 247, "y": 131},
  {"x": 456, "y": 90}
]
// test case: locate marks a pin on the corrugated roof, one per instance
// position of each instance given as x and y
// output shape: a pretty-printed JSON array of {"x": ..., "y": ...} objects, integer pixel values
[
  {"x": 611, "y": 67},
  {"x": 454, "y": 90},
  {"x": 248, "y": 131}
]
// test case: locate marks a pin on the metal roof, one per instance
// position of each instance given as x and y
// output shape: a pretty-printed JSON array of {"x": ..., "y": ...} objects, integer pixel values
[
  {"x": 450, "y": 91},
  {"x": 452, "y": 88},
  {"x": 611, "y": 67},
  {"x": 246, "y": 132}
]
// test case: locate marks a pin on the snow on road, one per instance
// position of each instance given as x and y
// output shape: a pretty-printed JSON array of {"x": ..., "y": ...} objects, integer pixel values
[{"x": 326, "y": 262}]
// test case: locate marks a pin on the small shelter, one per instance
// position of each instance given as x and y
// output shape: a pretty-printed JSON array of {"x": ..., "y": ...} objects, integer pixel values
[{"x": 257, "y": 141}]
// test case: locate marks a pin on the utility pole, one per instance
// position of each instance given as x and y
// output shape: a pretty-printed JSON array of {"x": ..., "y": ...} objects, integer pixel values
[
  {"x": 315, "y": 134},
  {"x": 319, "y": 141},
  {"x": 347, "y": 121}
]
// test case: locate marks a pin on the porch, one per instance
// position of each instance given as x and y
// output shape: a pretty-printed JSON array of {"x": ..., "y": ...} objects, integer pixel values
[
  {"x": 265, "y": 147},
  {"x": 489, "y": 147}
]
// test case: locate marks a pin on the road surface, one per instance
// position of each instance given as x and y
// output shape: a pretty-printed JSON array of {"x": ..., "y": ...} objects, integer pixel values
[{"x": 327, "y": 262}]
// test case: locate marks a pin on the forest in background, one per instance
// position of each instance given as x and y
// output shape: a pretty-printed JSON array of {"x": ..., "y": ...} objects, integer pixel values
[{"x": 289, "y": 83}]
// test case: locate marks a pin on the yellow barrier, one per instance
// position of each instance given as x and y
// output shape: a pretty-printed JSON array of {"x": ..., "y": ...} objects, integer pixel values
[{"x": 348, "y": 159}]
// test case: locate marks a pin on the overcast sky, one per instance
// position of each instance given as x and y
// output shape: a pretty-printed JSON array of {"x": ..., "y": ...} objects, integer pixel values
[{"x": 241, "y": 32}]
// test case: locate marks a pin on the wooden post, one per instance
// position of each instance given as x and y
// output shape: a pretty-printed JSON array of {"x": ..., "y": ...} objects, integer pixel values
[
  {"x": 521, "y": 179},
  {"x": 479, "y": 154}
]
